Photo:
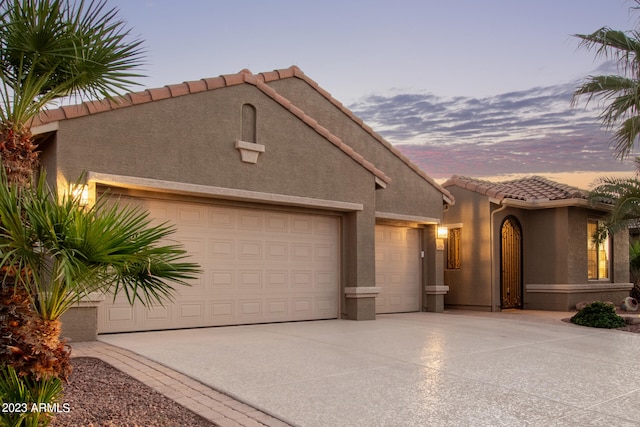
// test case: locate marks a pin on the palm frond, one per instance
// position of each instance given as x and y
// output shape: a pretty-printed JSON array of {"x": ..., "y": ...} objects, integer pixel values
[
  {"x": 70, "y": 250},
  {"x": 622, "y": 47},
  {"x": 51, "y": 49},
  {"x": 624, "y": 193}
]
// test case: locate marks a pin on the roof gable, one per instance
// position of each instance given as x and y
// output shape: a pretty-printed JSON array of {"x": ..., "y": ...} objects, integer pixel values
[
  {"x": 295, "y": 72},
  {"x": 172, "y": 91}
]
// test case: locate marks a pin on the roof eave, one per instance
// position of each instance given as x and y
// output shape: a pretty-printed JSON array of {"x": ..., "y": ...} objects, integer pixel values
[{"x": 551, "y": 204}]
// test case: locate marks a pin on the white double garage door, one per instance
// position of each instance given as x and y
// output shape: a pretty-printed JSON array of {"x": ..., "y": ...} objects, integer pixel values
[{"x": 261, "y": 266}]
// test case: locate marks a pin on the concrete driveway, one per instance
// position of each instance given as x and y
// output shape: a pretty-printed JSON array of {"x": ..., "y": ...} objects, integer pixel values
[{"x": 416, "y": 369}]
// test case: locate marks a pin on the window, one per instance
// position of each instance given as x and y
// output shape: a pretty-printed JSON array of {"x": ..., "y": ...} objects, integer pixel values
[
  {"x": 597, "y": 253},
  {"x": 453, "y": 249}
]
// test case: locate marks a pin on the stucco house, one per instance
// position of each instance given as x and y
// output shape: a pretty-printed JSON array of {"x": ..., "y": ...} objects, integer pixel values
[
  {"x": 294, "y": 208},
  {"x": 527, "y": 243}
]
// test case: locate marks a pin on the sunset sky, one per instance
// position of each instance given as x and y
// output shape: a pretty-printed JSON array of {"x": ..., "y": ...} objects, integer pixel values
[{"x": 477, "y": 88}]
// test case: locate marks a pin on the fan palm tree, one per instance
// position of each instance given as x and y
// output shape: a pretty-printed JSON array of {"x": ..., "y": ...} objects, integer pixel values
[
  {"x": 620, "y": 92},
  {"x": 624, "y": 193},
  {"x": 52, "y": 49},
  {"x": 54, "y": 250},
  {"x": 57, "y": 251}
]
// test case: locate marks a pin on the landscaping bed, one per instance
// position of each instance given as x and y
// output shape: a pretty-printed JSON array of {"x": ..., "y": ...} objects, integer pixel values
[{"x": 100, "y": 395}]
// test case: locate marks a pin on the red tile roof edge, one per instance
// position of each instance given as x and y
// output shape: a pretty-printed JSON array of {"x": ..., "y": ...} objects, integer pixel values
[
  {"x": 511, "y": 189},
  {"x": 313, "y": 124},
  {"x": 172, "y": 91},
  {"x": 294, "y": 71}
]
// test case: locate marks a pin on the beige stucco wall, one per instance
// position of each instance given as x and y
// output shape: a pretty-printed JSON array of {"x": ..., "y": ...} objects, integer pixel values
[
  {"x": 554, "y": 253},
  {"x": 408, "y": 193},
  {"x": 191, "y": 139},
  {"x": 470, "y": 286}
]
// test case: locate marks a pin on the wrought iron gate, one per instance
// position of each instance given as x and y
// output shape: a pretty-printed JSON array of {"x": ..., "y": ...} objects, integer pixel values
[{"x": 511, "y": 264}]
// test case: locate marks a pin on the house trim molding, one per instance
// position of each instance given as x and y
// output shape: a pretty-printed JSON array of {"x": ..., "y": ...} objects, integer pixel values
[
  {"x": 406, "y": 218},
  {"x": 362, "y": 292},
  {"x": 580, "y": 287},
  {"x": 158, "y": 185}
]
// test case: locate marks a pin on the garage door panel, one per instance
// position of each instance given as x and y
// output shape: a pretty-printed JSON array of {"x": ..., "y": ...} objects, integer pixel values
[
  {"x": 252, "y": 222},
  {"x": 276, "y": 251},
  {"x": 190, "y": 216},
  {"x": 276, "y": 223},
  {"x": 192, "y": 309},
  {"x": 258, "y": 266},
  {"x": 326, "y": 305},
  {"x": 398, "y": 269},
  {"x": 250, "y": 250},
  {"x": 120, "y": 313},
  {"x": 222, "y": 248},
  {"x": 302, "y": 307},
  {"x": 157, "y": 314},
  {"x": 222, "y": 311},
  {"x": 302, "y": 225},
  {"x": 277, "y": 279},
  {"x": 219, "y": 218}
]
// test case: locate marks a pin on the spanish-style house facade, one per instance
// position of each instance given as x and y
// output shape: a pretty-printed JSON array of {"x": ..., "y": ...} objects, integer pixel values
[
  {"x": 294, "y": 208},
  {"x": 528, "y": 243}
]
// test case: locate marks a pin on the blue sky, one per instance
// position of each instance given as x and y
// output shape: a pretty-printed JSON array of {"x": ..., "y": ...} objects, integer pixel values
[{"x": 470, "y": 87}]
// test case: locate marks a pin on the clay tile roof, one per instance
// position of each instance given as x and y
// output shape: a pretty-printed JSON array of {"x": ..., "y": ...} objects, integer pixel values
[
  {"x": 178, "y": 90},
  {"x": 528, "y": 189},
  {"x": 159, "y": 93},
  {"x": 294, "y": 71},
  {"x": 196, "y": 86},
  {"x": 258, "y": 80},
  {"x": 270, "y": 76},
  {"x": 140, "y": 97}
]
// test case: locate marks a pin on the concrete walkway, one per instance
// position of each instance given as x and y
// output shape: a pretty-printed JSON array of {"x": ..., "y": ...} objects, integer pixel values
[{"x": 416, "y": 369}]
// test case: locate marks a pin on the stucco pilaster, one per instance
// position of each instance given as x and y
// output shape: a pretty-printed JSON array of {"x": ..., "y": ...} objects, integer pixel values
[
  {"x": 433, "y": 268},
  {"x": 621, "y": 256},
  {"x": 360, "y": 291}
]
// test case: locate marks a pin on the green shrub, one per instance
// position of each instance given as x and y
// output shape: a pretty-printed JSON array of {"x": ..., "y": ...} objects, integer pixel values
[
  {"x": 26, "y": 402},
  {"x": 598, "y": 315}
]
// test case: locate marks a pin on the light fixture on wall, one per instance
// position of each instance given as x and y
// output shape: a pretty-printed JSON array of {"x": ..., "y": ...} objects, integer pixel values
[
  {"x": 442, "y": 232},
  {"x": 80, "y": 193}
]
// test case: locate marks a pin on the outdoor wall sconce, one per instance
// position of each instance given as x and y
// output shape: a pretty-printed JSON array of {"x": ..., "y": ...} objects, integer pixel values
[
  {"x": 80, "y": 193},
  {"x": 442, "y": 232}
]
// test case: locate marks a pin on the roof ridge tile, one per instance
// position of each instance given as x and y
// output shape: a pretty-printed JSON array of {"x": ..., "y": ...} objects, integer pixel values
[
  {"x": 178, "y": 89},
  {"x": 214, "y": 82},
  {"x": 159, "y": 93},
  {"x": 233, "y": 79},
  {"x": 140, "y": 97},
  {"x": 196, "y": 86},
  {"x": 78, "y": 110}
]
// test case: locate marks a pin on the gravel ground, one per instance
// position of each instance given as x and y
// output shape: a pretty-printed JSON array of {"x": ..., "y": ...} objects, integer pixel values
[{"x": 99, "y": 395}]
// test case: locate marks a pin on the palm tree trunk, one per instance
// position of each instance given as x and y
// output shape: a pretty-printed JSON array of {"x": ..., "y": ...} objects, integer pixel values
[
  {"x": 29, "y": 344},
  {"x": 18, "y": 153}
]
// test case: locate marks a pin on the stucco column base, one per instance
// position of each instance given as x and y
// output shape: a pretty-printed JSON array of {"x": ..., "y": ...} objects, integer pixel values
[
  {"x": 80, "y": 322},
  {"x": 435, "y": 298},
  {"x": 361, "y": 303}
]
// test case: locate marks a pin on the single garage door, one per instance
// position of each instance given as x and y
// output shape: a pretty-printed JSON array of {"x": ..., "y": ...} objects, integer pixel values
[
  {"x": 259, "y": 266},
  {"x": 397, "y": 269}
]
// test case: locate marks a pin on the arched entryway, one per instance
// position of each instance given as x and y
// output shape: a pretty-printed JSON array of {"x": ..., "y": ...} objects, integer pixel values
[{"x": 511, "y": 263}]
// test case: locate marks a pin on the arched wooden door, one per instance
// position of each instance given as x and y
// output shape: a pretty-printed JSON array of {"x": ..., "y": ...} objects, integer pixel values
[{"x": 511, "y": 263}]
